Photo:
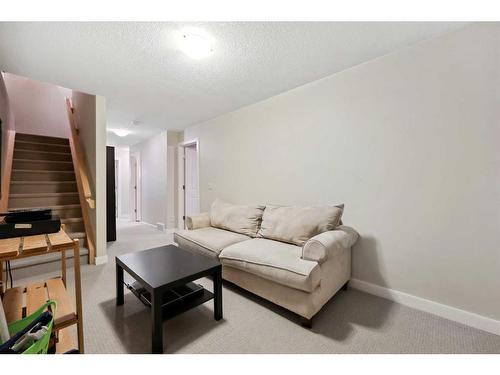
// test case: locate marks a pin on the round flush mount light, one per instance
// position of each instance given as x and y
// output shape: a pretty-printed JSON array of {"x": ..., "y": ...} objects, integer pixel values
[
  {"x": 196, "y": 44},
  {"x": 121, "y": 132}
]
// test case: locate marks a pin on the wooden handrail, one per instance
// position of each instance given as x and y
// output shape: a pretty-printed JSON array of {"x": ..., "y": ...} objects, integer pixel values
[
  {"x": 9, "y": 156},
  {"x": 87, "y": 201},
  {"x": 87, "y": 192}
]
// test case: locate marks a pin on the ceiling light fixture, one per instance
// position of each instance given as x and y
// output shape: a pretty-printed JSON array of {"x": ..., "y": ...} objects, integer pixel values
[
  {"x": 121, "y": 132},
  {"x": 195, "y": 44}
]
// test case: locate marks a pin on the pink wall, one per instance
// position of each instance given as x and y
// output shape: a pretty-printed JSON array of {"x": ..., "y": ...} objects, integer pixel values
[
  {"x": 7, "y": 121},
  {"x": 38, "y": 107},
  {"x": 5, "y": 112}
]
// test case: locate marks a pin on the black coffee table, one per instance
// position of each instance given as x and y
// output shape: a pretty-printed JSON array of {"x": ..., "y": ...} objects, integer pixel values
[{"x": 164, "y": 276}]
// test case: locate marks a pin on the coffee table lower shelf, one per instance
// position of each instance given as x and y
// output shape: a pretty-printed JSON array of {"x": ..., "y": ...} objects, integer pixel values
[{"x": 175, "y": 301}]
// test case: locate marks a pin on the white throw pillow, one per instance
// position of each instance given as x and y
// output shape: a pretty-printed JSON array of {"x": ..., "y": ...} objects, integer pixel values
[
  {"x": 296, "y": 225},
  {"x": 236, "y": 218}
]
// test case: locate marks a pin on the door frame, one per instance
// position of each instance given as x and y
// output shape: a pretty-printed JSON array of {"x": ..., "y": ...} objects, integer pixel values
[
  {"x": 181, "y": 192},
  {"x": 135, "y": 157},
  {"x": 117, "y": 187}
]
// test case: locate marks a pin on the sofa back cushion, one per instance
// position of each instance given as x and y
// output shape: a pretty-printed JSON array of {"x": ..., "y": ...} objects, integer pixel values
[
  {"x": 236, "y": 218},
  {"x": 296, "y": 225}
]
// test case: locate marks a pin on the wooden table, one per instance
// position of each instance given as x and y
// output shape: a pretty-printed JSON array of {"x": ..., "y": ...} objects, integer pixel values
[
  {"x": 161, "y": 271},
  {"x": 20, "y": 302}
]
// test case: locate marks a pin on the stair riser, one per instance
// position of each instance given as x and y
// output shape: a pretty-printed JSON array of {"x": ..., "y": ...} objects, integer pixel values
[
  {"x": 22, "y": 202},
  {"x": 35, "y": 155},
  {"x": 75, "y": 227},
  {"x": 68, "y": 213},
  {"x": 41, "y": 147},
  {"x": 41, "y": 139},
  {"x": 43, "y": 188},
  {"x": 43, "y": 165},
  {"x": 39, "y": 176}
]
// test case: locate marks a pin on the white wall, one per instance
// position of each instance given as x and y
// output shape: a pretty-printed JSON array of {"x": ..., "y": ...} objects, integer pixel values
[
  {"x": 122, "y": 155},
  {"x": 409, "y": 142},
  {"x": 172, "y": 182},
  {"x": 153, "y": 183},
  {"x": 90, "y": 113},
  {"x": 39, "y": 108},
  {"x": 157, "y": 188},
  {"x": 100, "y": 175}
]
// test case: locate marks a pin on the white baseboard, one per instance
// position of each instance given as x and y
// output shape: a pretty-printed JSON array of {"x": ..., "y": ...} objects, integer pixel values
[
  {"x": 460, "y": 316},
  {"x": 101, "y": 260}
]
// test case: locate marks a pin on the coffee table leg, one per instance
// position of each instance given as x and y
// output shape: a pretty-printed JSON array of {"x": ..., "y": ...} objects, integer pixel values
[
  {"x": 119, "y": 285},
  {"x": 218, "y": 294},
  {"x": 156, "y": 322}
]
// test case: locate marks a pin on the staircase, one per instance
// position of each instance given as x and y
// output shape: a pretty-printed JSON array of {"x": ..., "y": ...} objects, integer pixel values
[{"x": 43, "y": 176}]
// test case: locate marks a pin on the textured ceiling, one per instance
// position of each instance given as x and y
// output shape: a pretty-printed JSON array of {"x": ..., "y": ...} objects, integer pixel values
[{"x": 144, "y": 77}]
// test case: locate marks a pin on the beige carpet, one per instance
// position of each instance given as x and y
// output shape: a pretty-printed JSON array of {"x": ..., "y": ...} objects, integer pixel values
[{"x": 352, "y": 322}]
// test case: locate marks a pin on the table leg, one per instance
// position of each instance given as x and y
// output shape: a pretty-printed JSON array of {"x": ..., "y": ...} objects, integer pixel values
[
  {"x": 156, "y": 323},
  {"x": 218, "y": 294},
  {"x": 2, "y": 282},
  {"x": 63, "y": 266},
  {"x": 119, "y": 285},
  {"x": 78, "y": 292}
]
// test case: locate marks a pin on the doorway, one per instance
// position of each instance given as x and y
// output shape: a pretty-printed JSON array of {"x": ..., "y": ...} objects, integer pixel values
[{"x": 189, "y": 180}]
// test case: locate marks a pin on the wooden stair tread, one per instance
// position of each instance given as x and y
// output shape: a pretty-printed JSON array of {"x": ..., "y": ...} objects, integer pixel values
[
  {"x": 57, "y": 207},
  {"x": 27, "y": 195},
  {"x": 77, "y": 234},
  {"x": 41, "y": 151},
  {"x": 30, "y": 182},
  {"x": 72, "y": 220},
  {"x": 42, "y": 161},
  {"x": 13, "y": 304},
  {"x": 41, "y": 171},
  {"x": 25, "y": 137},
  {"x": 9, "y": 247},
  {"x": 43, "y": 143}
]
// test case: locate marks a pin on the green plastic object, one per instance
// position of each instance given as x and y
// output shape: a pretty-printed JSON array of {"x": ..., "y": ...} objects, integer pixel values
[{"x": 40, "y": 346}]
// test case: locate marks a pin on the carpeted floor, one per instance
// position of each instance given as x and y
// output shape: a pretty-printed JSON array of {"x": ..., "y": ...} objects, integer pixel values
[{"x": 352, "y": 322}]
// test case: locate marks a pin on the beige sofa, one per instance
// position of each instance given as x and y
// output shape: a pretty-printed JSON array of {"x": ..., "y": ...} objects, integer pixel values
[{"x": 295, "y": 257}]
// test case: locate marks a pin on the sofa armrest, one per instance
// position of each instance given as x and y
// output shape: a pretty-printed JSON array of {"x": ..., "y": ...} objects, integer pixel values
[
  {"x": 328, "y": 244},
  {"x": 198, "y": 221}
]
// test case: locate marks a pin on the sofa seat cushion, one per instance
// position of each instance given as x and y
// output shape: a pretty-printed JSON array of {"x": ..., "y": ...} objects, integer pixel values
[
  {"x": 276, "y": 261},
  {"x": 212, "y": 239}
]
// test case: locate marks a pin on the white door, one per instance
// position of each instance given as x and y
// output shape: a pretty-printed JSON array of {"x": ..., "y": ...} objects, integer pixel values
[{"x": 191, "y": 193}]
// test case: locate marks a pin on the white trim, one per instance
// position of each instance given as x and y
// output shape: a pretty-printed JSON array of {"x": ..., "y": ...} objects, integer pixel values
[
  {"x": 181, "y": 177},
  {"x": 180, "y": 191},
  {"x": 444, "y": 311},
  {"x": 146, "y": 223},
  {"x": 103, "y": 259},
  {"x": 135, "y": 157}
]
